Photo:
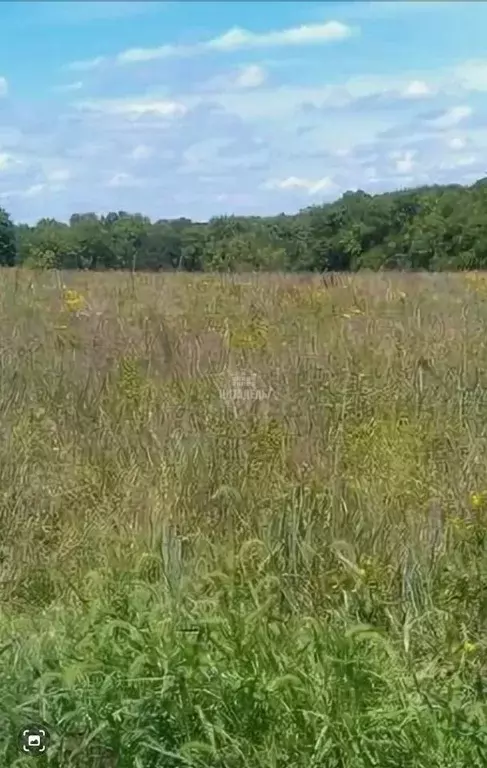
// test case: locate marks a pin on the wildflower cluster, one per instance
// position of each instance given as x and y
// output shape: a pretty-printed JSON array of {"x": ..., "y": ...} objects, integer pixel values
[
  {"x": 478, "y": 500},
  {"x": 253, "y": 336},
  {"x": 73, "y": 301},
  {"x": 477, "y": 281}
]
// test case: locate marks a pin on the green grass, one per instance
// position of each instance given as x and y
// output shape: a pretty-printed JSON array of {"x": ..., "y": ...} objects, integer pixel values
[{"x": 296, "y": 581}]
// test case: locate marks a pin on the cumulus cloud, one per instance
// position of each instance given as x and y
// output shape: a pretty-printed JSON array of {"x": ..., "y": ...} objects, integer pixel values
[
  {"x": 246, "y": 133},
  {"x": 404, "y": 161},
  {"x": 34, "y": 190},
  {"x": 307, "y": 34},
  {"x": 237, "y": 39},
  {"x": 417, "y": 89},
  {"x": 432, "y": 123},
  {"x": 138, "y": 55},
  {"x": 32, "y": 176},
  {"x": 365, "y": 93},
  {"x": 87, "y": 64},
  {"x": 245, "y": 78},
  {"x": 462, "y": 161},
  {"x": 123, "y": 179},
  {"x": 451, "y": 117},
  {"x": 326, "y": 184},
  {"x": 224, "y": 154},
  {"x": 141, "y": 152},
  {"x": 3, "y": 86},
  {"x": 7, "y": 160},
  {"x": 133, "y": 108},
  {"x": 472, "y": 75},
  {"x": 59, "y": 175},
  {"x": 251, "y": 76},
  {"x": 68, "y": 87},
  {"x": 456, "y": 143}
]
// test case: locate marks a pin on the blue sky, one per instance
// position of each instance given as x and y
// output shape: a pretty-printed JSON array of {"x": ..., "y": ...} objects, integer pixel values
[{"x": 206, "y": 108}]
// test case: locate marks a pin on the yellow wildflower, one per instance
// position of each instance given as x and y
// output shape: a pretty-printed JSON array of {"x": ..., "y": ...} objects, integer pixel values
[
  {"x": 469, "y": 647},
  {"x": 478, "y": 500},
  {"x": 73, "y": 301}
]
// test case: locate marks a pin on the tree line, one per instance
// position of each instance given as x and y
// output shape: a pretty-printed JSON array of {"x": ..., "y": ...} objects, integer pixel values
[{"x": 426, "y": 228}]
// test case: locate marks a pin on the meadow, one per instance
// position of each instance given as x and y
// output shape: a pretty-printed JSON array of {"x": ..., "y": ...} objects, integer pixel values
[{"x": 243, "y": 519}]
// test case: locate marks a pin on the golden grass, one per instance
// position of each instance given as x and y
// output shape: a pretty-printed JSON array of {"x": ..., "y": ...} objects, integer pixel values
[
  {"x": 356, "y": 482},
  {"x": 113, "y": 419}
]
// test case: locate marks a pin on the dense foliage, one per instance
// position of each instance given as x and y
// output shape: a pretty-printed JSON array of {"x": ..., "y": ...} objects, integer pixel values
[{"x": 432, "y": 228}]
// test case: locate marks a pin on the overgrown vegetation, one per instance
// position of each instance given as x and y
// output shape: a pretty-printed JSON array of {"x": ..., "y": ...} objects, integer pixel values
[
  {"x": 431, "y": 228},
  {"x": 292, "y": 581}
]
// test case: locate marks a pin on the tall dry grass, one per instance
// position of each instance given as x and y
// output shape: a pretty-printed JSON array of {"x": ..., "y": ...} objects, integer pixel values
[{"x": 194, "y": 575}]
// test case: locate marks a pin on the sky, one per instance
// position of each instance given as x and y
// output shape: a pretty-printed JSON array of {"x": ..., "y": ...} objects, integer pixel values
[{"x": 201, "y": 109}]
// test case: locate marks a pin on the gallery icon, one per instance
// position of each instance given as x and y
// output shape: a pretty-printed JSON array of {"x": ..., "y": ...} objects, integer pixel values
[{"x": 34, "y": 739}]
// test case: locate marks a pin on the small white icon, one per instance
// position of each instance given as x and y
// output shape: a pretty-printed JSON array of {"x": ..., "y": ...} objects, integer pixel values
[{"x": 34, "y": 740}]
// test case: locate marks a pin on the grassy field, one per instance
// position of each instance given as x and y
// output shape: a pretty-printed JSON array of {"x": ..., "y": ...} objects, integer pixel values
[{"x": 243, "y": 520}]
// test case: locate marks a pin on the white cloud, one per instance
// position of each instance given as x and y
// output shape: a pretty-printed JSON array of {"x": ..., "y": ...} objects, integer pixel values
[
  {"x": 137, "y": 55},
  {"x": 87, "y": 64},
  {"x": 246, "y": 78},
  {"x": 238, "y": 39},
  {"x": 417, "y": 89},
  {"x": 123, "y": 180},
  {"x": 34, "y": 190},
  {"x": 58, "y": 176},
  {"x": 451, "y": 117},
  {"x": 464, "y": 161},
  {"x": 6, "y": 161},
  {"x": 320, "y": 133},
  {"x": 284, "y": 101},
  {"x": 76, "y": 86},
  {"x": 3, "y": 86},
  {"x": 456, "y": 143},
  {"x": 141, "y": 152},
  {"x": 136, "y": 108},
  {"x": 251, "y": 76},
  {"x": 404, "y": 161},
  {"x": 371, "y": 175},
  {"x": 472, "y": 75},
  {"x": 275, "y": 104},
  {"x": 199, "y": 157},
  {"x": 325, "y": 184}
]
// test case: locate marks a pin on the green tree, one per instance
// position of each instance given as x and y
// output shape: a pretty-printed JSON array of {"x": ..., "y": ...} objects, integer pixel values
[
  {"x": 8, "y": 242},
  {"x": 436, "y": 227}
]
